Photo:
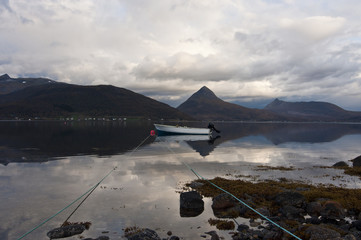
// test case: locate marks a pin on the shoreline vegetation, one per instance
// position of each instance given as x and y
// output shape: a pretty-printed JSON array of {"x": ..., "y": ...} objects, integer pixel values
[
  {"x": 308, "y": 211},
  {"x": 322, "y": 211}
]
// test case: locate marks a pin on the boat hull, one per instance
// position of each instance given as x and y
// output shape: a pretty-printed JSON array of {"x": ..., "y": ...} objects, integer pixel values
[{"x": 168, "y": 129}]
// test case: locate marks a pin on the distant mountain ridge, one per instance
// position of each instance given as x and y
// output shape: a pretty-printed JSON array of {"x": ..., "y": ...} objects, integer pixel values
[
  {"x": 9, "y": 84},
  {"x": 45, "y": 98},
  {"x": 64, "y": 100},
  {"x": 316, "y": 111},
  {"x": 205, "y": 105}
]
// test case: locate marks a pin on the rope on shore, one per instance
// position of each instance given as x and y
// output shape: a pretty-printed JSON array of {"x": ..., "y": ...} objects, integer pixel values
[
  {"x": 89, "y": 191},
  {"x": 239, "y": 200}
]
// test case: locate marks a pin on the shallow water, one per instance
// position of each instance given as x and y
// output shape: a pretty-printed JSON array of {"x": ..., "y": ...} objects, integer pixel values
[{"x": 44, "y": 166}]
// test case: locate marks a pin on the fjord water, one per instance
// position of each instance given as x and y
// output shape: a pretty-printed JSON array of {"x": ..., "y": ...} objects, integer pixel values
[{"x": 44, "y": 166}]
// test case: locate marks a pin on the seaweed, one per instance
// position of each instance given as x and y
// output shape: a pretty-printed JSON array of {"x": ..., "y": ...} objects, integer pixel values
[
  {"x": 221, "y": 224},
  {"x": 263, "y": 192}
]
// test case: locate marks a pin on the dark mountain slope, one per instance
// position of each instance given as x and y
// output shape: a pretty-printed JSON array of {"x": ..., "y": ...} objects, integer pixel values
[
  {"x": 205, "y": 105},
  {"x": 8, "y": 84},
  {"x": 54, "y": 100},
  {"x": 316, "y": 111}
]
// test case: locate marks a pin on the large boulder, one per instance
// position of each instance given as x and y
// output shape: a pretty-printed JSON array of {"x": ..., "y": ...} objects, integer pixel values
[
  {"x": 293, "y": 213},
  {"x": 319, "y": 232},
  {"x": 314, "y": 209},
  {"x": 356, "y": 161},
  {"x": 340, "y": 164},
  {"x": 66, "y": 231},
  {"x": 290, "y": 198},
  {"x": 225, "y": 206},
  {"x": 191, "y": 204},
  {"x": 357, "y": 224},
  {"x": 332, "y": 210},
  {"x": 223, "y": 201}
]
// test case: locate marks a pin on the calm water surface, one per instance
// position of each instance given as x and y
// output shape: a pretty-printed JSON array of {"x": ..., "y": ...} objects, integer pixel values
[{"x": 44, "y": 166}]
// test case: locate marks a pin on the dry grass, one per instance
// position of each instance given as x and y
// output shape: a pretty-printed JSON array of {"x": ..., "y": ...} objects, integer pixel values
[
  {"x": 222, "y": 224},
  {"x": 265, "y": 168},
  {"x": 262, "y": 192}
]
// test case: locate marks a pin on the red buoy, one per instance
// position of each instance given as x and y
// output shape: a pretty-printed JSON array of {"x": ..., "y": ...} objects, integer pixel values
[{"x": 152, "y": 133}]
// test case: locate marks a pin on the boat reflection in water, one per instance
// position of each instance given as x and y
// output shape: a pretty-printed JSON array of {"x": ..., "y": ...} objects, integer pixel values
[{"x": 203, "y": 144}]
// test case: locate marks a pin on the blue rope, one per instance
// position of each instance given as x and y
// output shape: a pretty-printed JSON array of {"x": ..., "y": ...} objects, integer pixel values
[
  {"x": 245, "y": 204},
  {"x": 90, "y": 190},
  {"x": 254, "y": 210},
  {"x": 60, "y": 211}
]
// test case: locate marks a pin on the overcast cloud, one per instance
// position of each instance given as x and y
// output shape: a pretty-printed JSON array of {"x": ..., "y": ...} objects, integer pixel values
[{"x": 245, "y": 51}]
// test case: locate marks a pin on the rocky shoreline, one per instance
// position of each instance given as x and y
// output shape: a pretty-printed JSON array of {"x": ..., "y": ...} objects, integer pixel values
[
  {"x": 276, "y": 209},
  {"x": 306, "y": 211},
  {"x": 285, "y": 204}
]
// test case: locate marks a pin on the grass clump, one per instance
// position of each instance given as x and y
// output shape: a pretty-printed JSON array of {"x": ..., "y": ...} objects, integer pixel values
[
  {"x": 280, "y": 168},
  {"x": 86, "y": 224},
  {"x": 354, "y": 171},
  {"x": 222, "y": 224},
  {"x": 130, "y": 231}
]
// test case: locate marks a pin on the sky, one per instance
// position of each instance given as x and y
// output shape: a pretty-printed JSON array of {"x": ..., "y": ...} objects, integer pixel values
[{"x": 247, "y": 52}]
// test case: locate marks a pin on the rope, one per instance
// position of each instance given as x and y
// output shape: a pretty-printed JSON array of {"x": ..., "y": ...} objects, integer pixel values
[
  {"x": 80, "y": 204},
  {"x": 89, "y": 191},
  {"x": 131, "y": 153},
  {"x": 239, "y": 200},
  {"x": 48, "y": 219}
]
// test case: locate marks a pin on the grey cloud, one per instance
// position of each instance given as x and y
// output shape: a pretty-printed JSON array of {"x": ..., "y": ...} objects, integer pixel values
[
  {"x": 330, "y": 65},
  {"x": 258, "y": 43},
  {"x": 168, "y": 50},
  {"x": 187, "y": 67},
  {"x": 5, "y": 6}
]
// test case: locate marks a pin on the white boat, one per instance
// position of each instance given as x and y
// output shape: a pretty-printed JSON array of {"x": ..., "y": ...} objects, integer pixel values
[{"x": 169, "y": 129}]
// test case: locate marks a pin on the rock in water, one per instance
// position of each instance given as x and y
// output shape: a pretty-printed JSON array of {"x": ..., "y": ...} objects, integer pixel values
[
  {"x": 98, "y": 238},
  {"x": 66, "y": 231},
  {"x": 214, "y": 235},
  {"x": 191, "y": 204},
  {"x": 340, "y": 164},
  {"x": 357, "y": 161}
]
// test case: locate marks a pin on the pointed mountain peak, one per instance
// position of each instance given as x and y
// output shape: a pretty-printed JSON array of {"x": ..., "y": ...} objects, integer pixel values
[
  {"x": 203, "y": 95},
  {"x": 274, "y": 103},
  {"x": 204, "y": 92},
  {"x": 277, "y": 100},
  {"x": 5, "y": 77}
]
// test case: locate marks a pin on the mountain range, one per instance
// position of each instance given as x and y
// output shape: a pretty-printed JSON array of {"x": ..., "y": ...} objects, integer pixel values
[
  {"x": 45, "y": 98},
  {"x": 205, "y": 105},
  {"x": 313, "y": 111},
  {"x": 53, "y": 100},
  {"x": 8, "y": 84}
]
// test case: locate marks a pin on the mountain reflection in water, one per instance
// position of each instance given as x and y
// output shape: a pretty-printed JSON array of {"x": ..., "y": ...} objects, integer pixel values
[
  {"x": 44, "y": 141},
  {"x": 276, "y": 133},
  {"x": 144, "y": 190}
]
